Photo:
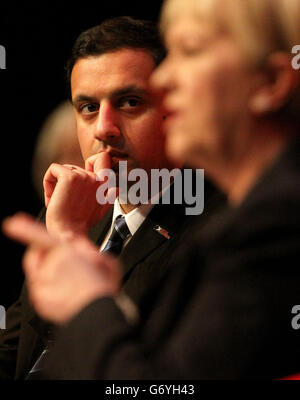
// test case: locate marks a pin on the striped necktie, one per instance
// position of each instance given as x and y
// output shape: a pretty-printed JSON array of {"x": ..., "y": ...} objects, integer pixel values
[{"x": 118, "y": 236}]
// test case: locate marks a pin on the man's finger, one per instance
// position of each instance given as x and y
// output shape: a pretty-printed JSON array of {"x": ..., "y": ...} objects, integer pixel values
[
  {"x": 25, "y": 229},
  {"x": 52, "y": 175},
  {"x": 97, "y": 162},
  {"x": 103, "y": 161},
  {"x": 32, "y": 261}
]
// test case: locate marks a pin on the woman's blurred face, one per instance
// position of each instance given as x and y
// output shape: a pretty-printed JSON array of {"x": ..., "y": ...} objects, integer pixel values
[{"x": 206, "y": 83}]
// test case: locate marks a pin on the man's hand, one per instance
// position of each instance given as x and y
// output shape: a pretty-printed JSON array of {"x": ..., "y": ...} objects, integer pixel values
[
  {"x": 70, "y": 197},
  {"x": 62, "y": 277}
]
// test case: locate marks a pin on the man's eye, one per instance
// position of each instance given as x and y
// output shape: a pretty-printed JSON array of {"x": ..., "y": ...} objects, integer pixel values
[
  {"x": 129, "y": 103},
  {"x": 89, "y": 108}
]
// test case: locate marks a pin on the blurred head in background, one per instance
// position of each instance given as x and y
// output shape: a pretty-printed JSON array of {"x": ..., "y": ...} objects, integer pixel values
[
  {"x": 56, "y": 143},
  {"x": 231, "y": 92}
]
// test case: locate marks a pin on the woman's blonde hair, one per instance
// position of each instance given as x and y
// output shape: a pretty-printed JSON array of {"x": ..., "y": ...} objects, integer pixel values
[{"x": 259, "y": 27}]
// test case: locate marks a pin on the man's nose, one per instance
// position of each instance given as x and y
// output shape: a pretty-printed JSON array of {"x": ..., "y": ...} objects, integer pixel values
[{"x": 108, "y": 122}]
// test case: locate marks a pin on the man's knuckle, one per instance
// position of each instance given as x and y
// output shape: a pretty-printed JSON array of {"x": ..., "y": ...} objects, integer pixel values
[{"x": 72, "y": 177}]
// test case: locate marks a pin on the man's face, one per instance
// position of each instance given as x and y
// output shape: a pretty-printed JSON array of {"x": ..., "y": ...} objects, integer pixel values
[{"x": 115, "y": 110}]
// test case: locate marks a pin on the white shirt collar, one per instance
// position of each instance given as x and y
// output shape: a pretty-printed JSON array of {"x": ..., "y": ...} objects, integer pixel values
[{"x": 134, "y": 218}]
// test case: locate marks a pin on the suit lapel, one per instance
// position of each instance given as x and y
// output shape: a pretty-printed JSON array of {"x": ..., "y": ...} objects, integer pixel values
[
  {"x": 172, "y": 219},
  {"x": 34, "y": 334},
  {"x": 143, "y": 242},
  {"x": 148, "y": 237},
  {"x": 98, "y": 232}
]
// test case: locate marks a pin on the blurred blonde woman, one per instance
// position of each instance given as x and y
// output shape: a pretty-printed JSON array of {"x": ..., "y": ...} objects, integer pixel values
[
  {"x": 233, "y": 95},
  {"x": 227, "y": 309}
]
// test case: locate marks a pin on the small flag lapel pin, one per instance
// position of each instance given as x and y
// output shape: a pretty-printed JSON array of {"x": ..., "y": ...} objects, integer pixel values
[{"x": 162, "y": 231}]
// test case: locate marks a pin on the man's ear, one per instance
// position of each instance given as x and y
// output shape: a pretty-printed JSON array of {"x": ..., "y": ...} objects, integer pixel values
[{"x": 280, "y": 80}]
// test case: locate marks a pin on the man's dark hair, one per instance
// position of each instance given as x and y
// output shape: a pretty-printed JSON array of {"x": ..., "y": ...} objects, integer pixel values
[{"x": 114, "y": 34}]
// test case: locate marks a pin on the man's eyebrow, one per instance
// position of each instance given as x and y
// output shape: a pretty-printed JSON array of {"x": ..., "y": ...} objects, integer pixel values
[
  {"x": 115, "y": 93},
  {"x": 83, "y": 97},
  {"x": 128, "y": 90}
]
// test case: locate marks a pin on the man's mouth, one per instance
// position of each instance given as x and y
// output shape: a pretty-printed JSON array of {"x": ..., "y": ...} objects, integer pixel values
[
  {"x": 114, "y": 154},
  {"x": 117, "y": 156}
]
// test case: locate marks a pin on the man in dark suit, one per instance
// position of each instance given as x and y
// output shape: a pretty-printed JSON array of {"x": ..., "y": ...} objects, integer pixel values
[{"x": 118, "y": 118}]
